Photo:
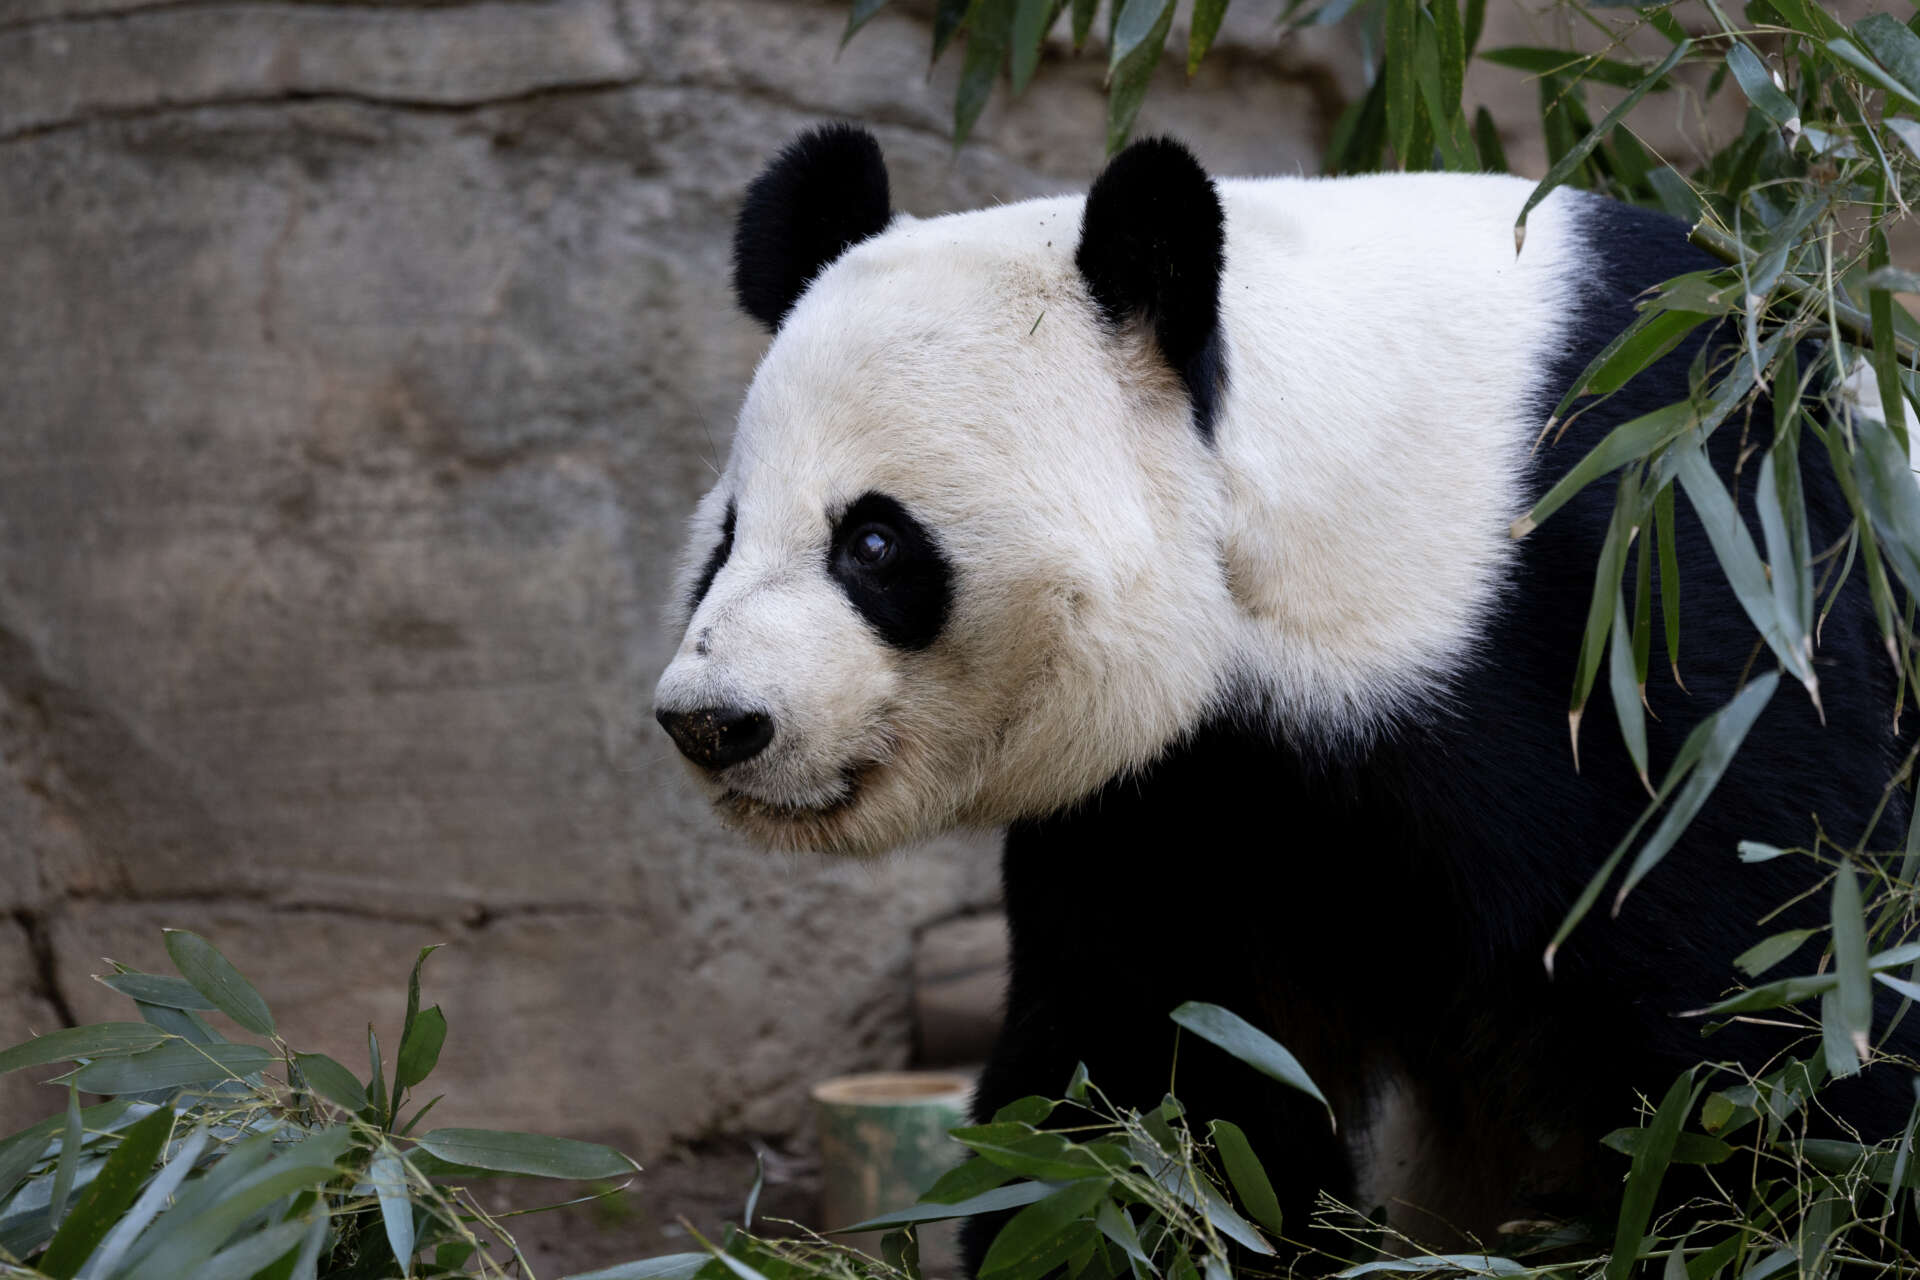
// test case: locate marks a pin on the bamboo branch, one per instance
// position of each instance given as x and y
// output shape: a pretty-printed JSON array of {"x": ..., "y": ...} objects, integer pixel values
[{"x": 1851, "y": 321}]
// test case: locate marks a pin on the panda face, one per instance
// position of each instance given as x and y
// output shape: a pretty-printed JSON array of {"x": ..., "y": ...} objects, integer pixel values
[
  {"x": 937, "y": 581},
  {"x": 963, "y": 564}
]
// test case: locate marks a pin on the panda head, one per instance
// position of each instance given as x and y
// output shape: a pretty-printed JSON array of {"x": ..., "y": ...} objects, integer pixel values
[{"x": 961, "y": 567}]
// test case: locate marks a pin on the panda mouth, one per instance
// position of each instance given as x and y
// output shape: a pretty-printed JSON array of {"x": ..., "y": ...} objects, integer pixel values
[{"x": 853, "y": 779}]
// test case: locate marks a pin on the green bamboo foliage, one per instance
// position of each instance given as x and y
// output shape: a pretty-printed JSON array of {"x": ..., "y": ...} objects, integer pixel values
[{"x": 228, "y": 1159}]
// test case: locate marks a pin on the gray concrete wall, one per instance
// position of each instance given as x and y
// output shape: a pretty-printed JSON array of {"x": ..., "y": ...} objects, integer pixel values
[{"x": 358, "y": 364}]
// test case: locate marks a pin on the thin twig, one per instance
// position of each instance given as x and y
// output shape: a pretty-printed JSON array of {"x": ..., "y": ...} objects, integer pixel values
[{"x": 1851, "y": 321}]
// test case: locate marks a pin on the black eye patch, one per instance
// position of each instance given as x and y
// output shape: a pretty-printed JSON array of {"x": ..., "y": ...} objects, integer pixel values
[
  {"x": 721, "y": 551},
  {"x": 892, "y": 570}
]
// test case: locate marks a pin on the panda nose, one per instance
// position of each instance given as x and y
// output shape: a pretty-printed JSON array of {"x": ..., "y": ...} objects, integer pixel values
[{"x": 717, "y": 736}]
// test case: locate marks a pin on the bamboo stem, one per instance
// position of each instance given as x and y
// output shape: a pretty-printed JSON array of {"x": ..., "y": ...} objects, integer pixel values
[{"x": 1851, "y": 321}]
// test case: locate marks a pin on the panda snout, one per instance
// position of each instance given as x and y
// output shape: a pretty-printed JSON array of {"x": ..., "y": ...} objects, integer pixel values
[{"x": 715, "y": 737}]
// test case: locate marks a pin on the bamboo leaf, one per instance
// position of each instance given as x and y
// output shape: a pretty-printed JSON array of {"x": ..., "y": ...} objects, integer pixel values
[
  {"x": 1248, "y": 1043},
  {"x": 1360, "y": 134},
  {"x": 1207, "y": 15},
  {"x": 1837, "y": 1049},
  {"x": 1894, "y": 46},
  {"x": 1249, "y": 1179},
  {"x": 1643, "y": 612},
  {"x": 109, "y": 1195},
  {"x": 1397, "y": 71},
  {"x": 71, "y": 1139},
  {"x": 1047, "y": 1157},
  {"x": 948, "y": 15},
  {"x": 185, "y": 1023},
  {"x": 1853, "y": 1001},
  {"x": 506, "y": 1152},
  {"x": 1884, "y": 478},
  {"x": 1198, "y": 1193},
  {"x": 1608, "y": 567},
  {"x": 1474, "y": 22},
  {"x": 413, "y": 991},
  {"x": 1850, "y": 53},
  {"x": 208, "y": 1222},
  {"x": 1031, "y": 21},
  {"x": 105, "y": 1259},
  {"x": 1037, "y": 1238},
  {"x": 999, "y": 1198},
  {"x": 1758, "y": 85},
  {"x": 1669, "y": 576},
  {"x": 1740, "y": 561},
  {"x": 1783, "y": 523},
  {"x": 172, "y": 1065},
  {"x": 1635, "y": 438},
  {"x": 332, "y": 1081},
  {"x": 669, "y": 1266},
  {"x": 1649, "y": 338},
  {"x": 1683, "y": 763},
  {"x": 253, "y": 1256},
  {"x": 989, "y": 31},
  {"x": 966, "y": 1180},
  {"x": 213, "y": 976},
  {"x": 1624, "y": 686},
  {"x": 377, "y": 1083},
  {"x": 1449, "y": 130},
  {"x": 1451, "y": 41},
  {"x": 1133, "y": 70},
  {"x": 1726, "y": 730},
  {"x": 420, "y": 1050},
  {"x": 22, "y": 1151},
  {"x": 100, "y": 1039},
  {"x": 1808, "y": 18},
  {"x": 1768, "y": 952},
  {"x": 1116, "y": 1225},
  {"x": 388, "y": 1174},
  {"x": 1688, "y": 1148},
  {"x": 1886, "y": 352},
  {"x": 154, "y": 988},
  {"x": 1133, "y": 28},
  {"x": 1486, "y": 140},
  {"x": 1083, "y": 11},
  {"x": 861, "y": 12},
  {"x": 1563, "y": 168},
  {"x": 1650, "y": 1160},
  {"x": 1774, "y": 995}
]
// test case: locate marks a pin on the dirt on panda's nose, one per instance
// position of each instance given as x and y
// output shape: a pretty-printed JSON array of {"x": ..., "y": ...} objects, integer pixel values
[{"x": 715, "y": 737}]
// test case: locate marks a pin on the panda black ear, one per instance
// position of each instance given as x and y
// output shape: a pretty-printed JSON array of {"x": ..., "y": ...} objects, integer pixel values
[
  {"x": 1152, "y": 243},
  {"x": 824, "y": 193}
]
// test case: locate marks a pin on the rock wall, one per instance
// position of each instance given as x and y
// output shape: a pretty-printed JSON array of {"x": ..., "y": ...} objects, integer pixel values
[{"x": 358, "y": 365}]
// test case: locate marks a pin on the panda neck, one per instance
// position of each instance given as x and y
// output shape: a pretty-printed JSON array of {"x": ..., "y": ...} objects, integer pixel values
[{"x": 1374, "y": 444}]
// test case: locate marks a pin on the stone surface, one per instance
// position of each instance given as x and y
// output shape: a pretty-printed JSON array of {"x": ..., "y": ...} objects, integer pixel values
[
  {"x": 959, "y": 988},
  {"x": 28, "y": 1007},
  {"x": 359, "y": 365}
]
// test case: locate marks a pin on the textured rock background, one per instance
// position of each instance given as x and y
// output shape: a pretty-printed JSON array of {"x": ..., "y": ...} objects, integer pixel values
[{"x": 358, "y": 364}]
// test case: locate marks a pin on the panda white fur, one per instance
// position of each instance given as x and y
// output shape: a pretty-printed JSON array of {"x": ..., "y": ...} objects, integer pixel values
[{"x": 1169, "y": 527}]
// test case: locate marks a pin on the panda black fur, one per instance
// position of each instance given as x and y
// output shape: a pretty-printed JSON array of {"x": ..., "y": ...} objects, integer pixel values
[{"x": 1168, "y": 528}]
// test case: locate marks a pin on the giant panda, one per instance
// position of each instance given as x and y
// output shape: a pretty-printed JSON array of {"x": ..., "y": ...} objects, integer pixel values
[{"x": 1168, "y": 528}]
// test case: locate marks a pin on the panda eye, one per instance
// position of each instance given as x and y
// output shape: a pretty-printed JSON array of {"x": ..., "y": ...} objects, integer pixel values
[
  {"x": 871, "y": 546},
  {"x": 892, "y": 570}
]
